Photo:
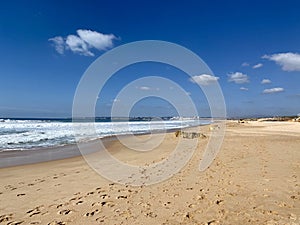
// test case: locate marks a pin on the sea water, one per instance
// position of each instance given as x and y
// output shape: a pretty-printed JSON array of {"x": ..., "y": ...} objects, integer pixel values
[{"x": 22, "y": 134}]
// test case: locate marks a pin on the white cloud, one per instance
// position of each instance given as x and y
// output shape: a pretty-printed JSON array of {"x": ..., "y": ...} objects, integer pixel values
[
  {"x": 288, "y": 61},
  {"x": 58, "y": 43},
  {"x": 266, "y": 81},
  {"x": 77, "y": 45},
  {"x": 244, "y": 89},
  {"x": 204, "y": 79},
  {"x": 144, "y": 88},
  {"x": 273, "y": 90},
  {"x": 83, "y": 42},
  {"x": 238, "y": 78},
  {"x": 245, "y": 64},
  {"x": 257, "y": 66},
  {"x": 97, "y": 40}
]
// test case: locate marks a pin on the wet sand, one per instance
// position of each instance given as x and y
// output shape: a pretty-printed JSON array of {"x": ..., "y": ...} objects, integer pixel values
[{"x": 255, "y": 179}]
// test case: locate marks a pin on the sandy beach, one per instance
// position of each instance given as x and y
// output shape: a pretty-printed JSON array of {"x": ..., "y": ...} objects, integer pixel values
[{"x": 255, "y": 179}]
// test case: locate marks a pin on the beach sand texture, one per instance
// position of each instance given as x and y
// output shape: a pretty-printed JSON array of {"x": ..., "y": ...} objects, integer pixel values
[{"x": 255, "y": 179}]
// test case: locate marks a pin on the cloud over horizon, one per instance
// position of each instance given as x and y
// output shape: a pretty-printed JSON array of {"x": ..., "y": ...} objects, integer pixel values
[
  {"x": 288, "y": 61},
  {"x": 256, "y": 66},
  {"x": 265, "y": 81},
  {"x": 147, "y": 88},
  {"x": 244, "y": 88},
  {"x": 273, "y": 90},
  {"x": 204, "y": 79},
  {"x": 144, "y": 88},
  {"x": 238, "y": 78},
  {"x": 83, "y": 42},
  {"x": 245, "y": 64}
]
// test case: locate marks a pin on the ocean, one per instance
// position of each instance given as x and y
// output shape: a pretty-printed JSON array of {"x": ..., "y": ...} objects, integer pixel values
[{"x": 23, "y": 134}]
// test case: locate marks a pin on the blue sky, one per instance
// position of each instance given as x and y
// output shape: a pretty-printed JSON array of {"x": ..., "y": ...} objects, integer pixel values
[{"x": 252, "y": 47}]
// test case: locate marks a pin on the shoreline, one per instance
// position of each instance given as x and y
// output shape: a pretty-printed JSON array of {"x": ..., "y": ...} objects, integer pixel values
[
  {"x": 11, "y": 158},
  {"x": 15, "y": 157}
]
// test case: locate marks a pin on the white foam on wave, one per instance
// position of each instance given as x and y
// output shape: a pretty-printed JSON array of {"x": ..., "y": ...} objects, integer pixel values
[{"x": 28, "y": 134}]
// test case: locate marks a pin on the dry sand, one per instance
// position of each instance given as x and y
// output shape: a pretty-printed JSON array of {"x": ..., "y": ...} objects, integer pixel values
[{"x": 255, "y": 179}]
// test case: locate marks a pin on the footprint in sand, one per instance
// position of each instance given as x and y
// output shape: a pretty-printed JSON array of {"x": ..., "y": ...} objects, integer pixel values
[
  {"x": 35, "y": 211},
  {"x": 104, "y": 196},
  {"x": 150, "y": 214},
  {"x": 58, "y": 206},
  {"x": 64, "y": 212},
  {"x": 191, "y": 205},
  {"x": 212, "y": 222},
  {"x": 10, "y": 187},
  {"x": 218, "y": 202},
  {"x": 57, "y": 223},
  {"x": 166, "y": 204},
  {"x": 5, "y": 218},
  {"x": 282, "y": 204},
  {"x": 121, "y": 197},
  {"x": 104, "y": 203},
  {"x": 293, "y": 197},
  {"x": 100, "y": 219},
  {"x": 73, "y": 199},
  {"x": 92, "y": 213},
  {"x": 35, "y": 222},
  {"x": 20, "y": 194},
  {"x": 15, "y": 222},
  {"x": 39, "y": 180},
  {"x": 79, "y": 202}
]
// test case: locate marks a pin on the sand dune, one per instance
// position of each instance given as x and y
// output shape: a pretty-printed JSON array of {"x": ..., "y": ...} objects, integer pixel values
[{"x": 255, "y": 179}]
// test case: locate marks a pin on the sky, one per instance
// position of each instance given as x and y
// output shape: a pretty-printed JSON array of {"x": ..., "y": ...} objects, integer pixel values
[{"x": 252, "y": 48}]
